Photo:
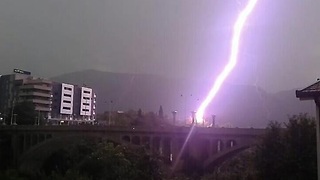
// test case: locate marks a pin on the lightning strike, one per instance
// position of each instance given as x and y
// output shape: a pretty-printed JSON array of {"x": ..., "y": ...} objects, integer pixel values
[{"x": 237, "y": 29}]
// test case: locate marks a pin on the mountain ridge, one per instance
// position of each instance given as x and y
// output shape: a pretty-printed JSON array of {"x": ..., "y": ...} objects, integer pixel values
[{"x": 238, "y": 105}]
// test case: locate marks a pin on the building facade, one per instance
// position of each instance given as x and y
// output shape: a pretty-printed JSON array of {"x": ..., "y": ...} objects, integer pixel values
[
  {"x": 10, "y": 93},
  {"x": 73, "y": 104},
  {"x": 54, "y": 102}
]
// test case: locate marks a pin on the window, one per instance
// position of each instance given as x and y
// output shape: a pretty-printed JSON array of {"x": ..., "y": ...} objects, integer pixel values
[
  {"x": 85, "y": 110},
  {"x": 67, "y": 108},
  {"x": 67, "y": 88},
  {"x": 86, "y": 104},
  {"x": 87, "y": 92},
  {"x": 86, "y": 98},
  {"x": 67, "y": 95},
  {"x": 65, "y": 101}
]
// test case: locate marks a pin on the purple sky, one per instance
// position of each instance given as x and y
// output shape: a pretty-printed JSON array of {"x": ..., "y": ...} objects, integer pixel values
[{"x": 176, "y": 38}]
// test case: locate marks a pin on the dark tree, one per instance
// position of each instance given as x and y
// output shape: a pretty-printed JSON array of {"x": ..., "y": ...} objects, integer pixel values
[
  {"x": 6, "y": 152},
  {"x": 290, "y": 152},
  {"x": 104, "y": 161},
  {"x": 140, "y": 113},
  {"x": 119, "y": 162},
  {"x": 25, "y": 113},
  {"x": 68, "y": 158},
  {"x": 161, "y": 113}
]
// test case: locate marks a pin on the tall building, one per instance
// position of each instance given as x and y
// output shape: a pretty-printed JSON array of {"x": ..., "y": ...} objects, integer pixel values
[{"x": 54, "y": 102}]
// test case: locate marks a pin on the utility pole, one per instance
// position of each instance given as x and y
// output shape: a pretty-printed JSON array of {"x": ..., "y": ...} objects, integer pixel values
[
  {"x": 12, "y": 108},
  {"x": 193, "y": 114}
]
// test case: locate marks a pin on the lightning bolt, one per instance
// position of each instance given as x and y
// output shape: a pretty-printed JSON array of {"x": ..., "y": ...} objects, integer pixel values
[{"x": 237, "y": 29}]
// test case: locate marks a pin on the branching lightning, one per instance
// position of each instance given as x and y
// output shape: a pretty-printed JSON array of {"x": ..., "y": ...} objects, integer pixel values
[{"x": 237, "y": 29}]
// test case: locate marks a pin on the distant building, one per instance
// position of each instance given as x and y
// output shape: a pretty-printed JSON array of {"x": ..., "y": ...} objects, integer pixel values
[
  {"x": 55, "y": 102},
  {"x": 73, "y": 104}
]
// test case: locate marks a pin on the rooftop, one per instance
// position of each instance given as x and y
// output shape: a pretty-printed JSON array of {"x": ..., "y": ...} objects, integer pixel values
[{"x": 309, "y": 93}]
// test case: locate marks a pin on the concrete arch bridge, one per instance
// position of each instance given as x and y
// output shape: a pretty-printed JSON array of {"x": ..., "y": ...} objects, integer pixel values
[{"x": 31, "y": 145}]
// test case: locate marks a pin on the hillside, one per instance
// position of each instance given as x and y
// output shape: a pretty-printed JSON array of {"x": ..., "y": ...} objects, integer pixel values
[{"x": 237, "y": 105}]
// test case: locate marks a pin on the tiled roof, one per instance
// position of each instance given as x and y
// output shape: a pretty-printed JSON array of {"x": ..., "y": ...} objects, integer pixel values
[{"x": 310, "y": 92}]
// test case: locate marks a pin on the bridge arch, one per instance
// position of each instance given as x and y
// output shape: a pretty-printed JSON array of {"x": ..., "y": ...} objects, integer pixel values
[{"x": 224, "y": 155}]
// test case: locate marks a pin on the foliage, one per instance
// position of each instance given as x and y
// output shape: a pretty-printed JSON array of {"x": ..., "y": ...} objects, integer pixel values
[
  {"x": 12, "y": 174},
  {"x": 6, "y": 153},
  {"x": 25, "y": 113},
  {"x": 120, "y": 162},
  {"x": 161, "y": 116},
  {"x": 140, "y": 113},
  {"x": 134, "y": 118},
  {"x": 288, "y": 153},
  {"x": 103, "y": 161},
  {"x": 66, "y": 159},
  {"x": 69, "y": 175},
  {"x": 240, "y": 167}
]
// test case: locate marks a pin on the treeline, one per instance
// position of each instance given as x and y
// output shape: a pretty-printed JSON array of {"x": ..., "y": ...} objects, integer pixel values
[{"x": 134, "y": 118}]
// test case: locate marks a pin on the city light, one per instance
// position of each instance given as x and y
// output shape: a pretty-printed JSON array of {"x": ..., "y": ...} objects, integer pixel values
[{"x": 237, "y": 29}]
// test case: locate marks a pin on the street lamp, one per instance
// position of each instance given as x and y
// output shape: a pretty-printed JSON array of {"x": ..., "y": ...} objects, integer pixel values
[
  {"x": 15, "y": 119},
  {"x": 119, "y": 116},
  {"x": 12, "y": 109},
  {"x": 174, "y": 113},
  {"x": 110, "y": 109},
  {"x": 35, "y": 120},
  {"x": 193, "y": 114},
  {"x": 213, "y": 120},
  {"x": 1, "y": 118},
  {"x": 4, "y": 119}
]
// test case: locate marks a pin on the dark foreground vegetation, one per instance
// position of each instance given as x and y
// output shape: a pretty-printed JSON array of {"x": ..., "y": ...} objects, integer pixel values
[{"x": 286, "y": 152}]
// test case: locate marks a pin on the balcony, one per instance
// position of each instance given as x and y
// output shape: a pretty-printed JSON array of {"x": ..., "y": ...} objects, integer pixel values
[
  {"x": 47, "y": 95},
  {"x": 39, "y": 101},
  {"x": 40, "y": 87},
  {"x": 41, "y": 108}
]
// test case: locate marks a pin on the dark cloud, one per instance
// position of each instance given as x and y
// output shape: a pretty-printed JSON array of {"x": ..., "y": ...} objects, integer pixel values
[{"x": 176, "y": 38}]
